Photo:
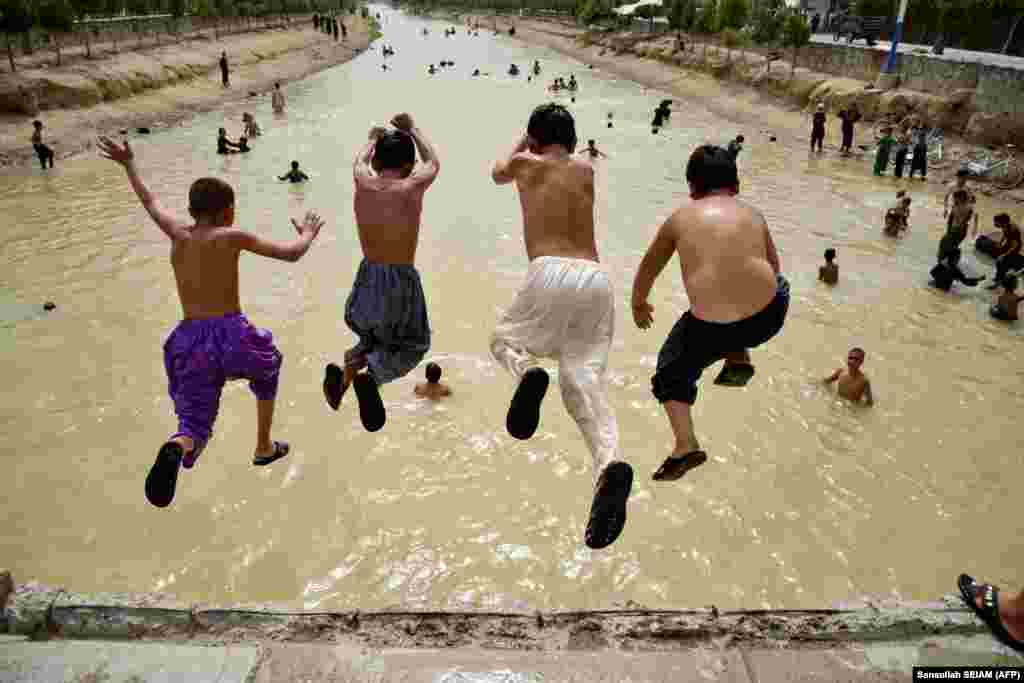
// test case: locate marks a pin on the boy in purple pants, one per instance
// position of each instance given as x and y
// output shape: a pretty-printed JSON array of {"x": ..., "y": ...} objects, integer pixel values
[{"x": 214, "y": 343}]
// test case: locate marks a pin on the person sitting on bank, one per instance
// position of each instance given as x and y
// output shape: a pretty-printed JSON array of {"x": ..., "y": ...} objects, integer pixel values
[
  {"x": 433, "y": 388},
  {"x": 829, "y": 273},
  {"x": 294, "y": 175},
  {"x": 1005, "y": 307}
]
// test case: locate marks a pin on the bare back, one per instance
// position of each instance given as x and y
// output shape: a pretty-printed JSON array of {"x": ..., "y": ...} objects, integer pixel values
[
  {"x": 556, "y": 192},
  {"x": 727, "y": 257},
  {"x": 388, "y": 215},
  {"x": 206, "y": 270}
]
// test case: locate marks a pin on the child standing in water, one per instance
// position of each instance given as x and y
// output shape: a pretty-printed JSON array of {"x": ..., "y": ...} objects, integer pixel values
[
  {"x": 432, "y": 388},
  {"x": 214, "y": 342},
  {"x": 853, "y": 384},
  {"x": 386, "y": 307},
  {"x": 960, "y": 218},
  {"x": 898, "y": 216},
  {"x": 277, "y": 101},
  {"x": 294, "y": 175},
  {"x": 829, "y": 273},
  {"x": 44, "y": 153},
  {"x": 738, "y": 296}
]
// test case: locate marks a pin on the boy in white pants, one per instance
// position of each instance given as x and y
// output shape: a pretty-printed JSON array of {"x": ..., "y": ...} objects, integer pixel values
[{"x": 566, "y": 310}]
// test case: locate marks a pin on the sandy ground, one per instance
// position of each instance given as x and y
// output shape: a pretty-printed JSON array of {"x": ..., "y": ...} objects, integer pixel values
[{"x": 176, "y": 82}]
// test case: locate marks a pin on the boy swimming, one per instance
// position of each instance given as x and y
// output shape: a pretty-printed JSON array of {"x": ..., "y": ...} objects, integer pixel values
[
  {"x": 386, "y": 307},
  {"x": 1005, "y": 307},
  {"x": 214, "y": 342},
  {"x": 737, "y": 293},
  {"x": 432, "y": 388},
  {"x": 566, "y": 310},
  {"x": 829, "y": 273},
  {"x": 294, "y": 175},
  {"x": 853, "y": 384}
]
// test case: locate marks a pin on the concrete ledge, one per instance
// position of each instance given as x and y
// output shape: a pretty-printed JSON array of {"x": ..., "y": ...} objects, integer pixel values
[{"x": 120, "y": 615}]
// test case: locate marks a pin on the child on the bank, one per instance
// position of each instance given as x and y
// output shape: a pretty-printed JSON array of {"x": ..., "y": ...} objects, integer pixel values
[
  {"x": 214, "y": 342},
  {"x": 829, "y": 273},
  {"x": 44, "y": 153},
  {"x": 1006, "y": 304},
  {"x": 432, "y": 388},
  {"x": 885, "y": 146},
  {"x": 898, "y": 216},
  {"x": 853, "y": 385},
  {"x": 386, "y": 307}
]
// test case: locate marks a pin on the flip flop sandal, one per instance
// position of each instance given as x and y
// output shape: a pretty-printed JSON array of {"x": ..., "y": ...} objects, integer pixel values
[
  {"x": 524, "y": 412},
  {"x": 163, "y": 475},
  {"x": 989, "y": 613},
  {"x": 608, "y": 510},
  {"x": 371, "y": 407},
  {"x": 735, "y": 375},
  {"x": 334, "y": 385},
  {"x": 281, "y": 449},
  {"x": 675, "y": 466}
]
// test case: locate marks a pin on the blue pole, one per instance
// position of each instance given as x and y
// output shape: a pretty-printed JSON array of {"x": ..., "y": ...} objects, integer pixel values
[{"x": 890, "y": 64}]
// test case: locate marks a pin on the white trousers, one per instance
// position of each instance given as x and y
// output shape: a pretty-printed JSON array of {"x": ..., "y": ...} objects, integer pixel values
[{"x": 566, "y": 312}]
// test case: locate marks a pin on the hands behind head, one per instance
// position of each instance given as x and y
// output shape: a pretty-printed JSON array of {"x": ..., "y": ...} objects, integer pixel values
[
  {"x": 376, "y": 132},
  {"x": 111, "y": 150},
  {"x": 402, "y": 122},
  {"x": 310, "y": 225}
]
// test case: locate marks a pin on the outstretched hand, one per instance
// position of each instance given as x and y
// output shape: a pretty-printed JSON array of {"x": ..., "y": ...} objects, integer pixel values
[
  {"x": 402, "y": 122},
  {"x": 643, "y": 315},
  {"x": 122, "y": 154},
  {"x": 309, "y": 226}
]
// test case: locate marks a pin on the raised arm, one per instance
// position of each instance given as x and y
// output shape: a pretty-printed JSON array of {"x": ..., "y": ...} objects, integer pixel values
[
  {"x": 505, "y": 170},
  {"x": 288, "y": 251},
  {"x": 171, "y": 226},
  {"x": 361, "y": 166},
  {"x": 431, "y": 166},
  {"x": 654, "y": 261}
]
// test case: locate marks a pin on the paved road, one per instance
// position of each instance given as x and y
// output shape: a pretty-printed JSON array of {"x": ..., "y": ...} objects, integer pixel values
[{"x": 950, "y": 54}]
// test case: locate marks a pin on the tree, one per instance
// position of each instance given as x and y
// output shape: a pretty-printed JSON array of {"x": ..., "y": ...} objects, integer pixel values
[
  {"x": 177, "y": 9},
  {"x": 732, "y": 14},
  {"x": 795, "y": 34},
  {"x": 57, "y": 16},
  {"x": 767, "y": 25},
  {"x": 16, "y": 16},
  {"x": 676, "y": 14}
]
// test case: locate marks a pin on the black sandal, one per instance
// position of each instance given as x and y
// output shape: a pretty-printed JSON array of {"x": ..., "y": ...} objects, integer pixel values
[
  {"x": 675, "y": 466},
  {"x": 371, "y": 407},
  {"x": 524, "y": 412},
  {"x": 334, "y": 385},
  {"x": 989, "y": 612},
  {"x": 281, "y": 449},
  {"x": 608, "y": 510},
  {"x": 163, "y": 475}
]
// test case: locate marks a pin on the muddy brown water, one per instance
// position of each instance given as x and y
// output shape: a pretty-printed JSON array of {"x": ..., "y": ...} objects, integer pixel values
[{"x": 805, "y": 501}]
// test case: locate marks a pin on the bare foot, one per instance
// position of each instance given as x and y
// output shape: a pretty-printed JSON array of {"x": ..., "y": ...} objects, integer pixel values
[{"x": 1011, "y": 612}]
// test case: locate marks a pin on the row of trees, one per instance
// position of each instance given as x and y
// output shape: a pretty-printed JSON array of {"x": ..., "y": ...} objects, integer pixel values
[{"x": 54, "y": 20}]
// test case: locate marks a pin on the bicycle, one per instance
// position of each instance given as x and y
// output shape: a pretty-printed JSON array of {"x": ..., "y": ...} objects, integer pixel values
[{"x": 1004, "y": 169}]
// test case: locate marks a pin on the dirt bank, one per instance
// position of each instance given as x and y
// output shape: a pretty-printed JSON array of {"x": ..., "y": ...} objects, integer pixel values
[
  {"x": 746, "y": 88},
  {"x": 159, "y": 86}
]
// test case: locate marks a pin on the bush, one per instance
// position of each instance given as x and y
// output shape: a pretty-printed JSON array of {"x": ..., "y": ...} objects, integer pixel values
[
  {"x": 705, "y": 22},
  {"x": 767, "y": 26},
  {"x": 796, "y": 33},
  {"x": 733, "y": 13}
]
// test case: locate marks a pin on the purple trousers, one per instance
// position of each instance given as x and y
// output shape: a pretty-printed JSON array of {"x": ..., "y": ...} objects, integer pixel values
[{"x": 201, "y": 356}]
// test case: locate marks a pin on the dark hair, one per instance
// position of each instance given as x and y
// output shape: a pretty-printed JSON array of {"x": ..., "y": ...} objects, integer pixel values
[
  {"x": 277, "y": 85},
  {"x": 433, "y": 373},
  {"x": 552, "y": 124},
  {"x": 209, "y": 196},
  {"x": 591, "y": 142},
  {"x": 711, "y": 168},
  {"x": 857, "y": 349},
  {"x": 37, "y": 122},
  {"x": 739, "y": 138},
  {"x": 962, "y": 173},
  {"x": 394, "y": 149},
  {"x": 1010, "y": 282},
  {"x": 295, "y": 164},
  {"x": 830, "y": 254},
  {"x": 1001, "y": 219}
]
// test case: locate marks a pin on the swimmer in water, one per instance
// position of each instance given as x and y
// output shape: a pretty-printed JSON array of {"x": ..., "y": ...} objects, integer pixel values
[
  {"x": 593, "y": 151},
  {"x": 898, "y": 216},
  {"x": 277, "y": 101},
  {"x": 738, "y": 296},
  {"x": 1005, "y": 307},
  {"x": 853, "y": 385},
  {"x": 387, "y": 309},
  {"x": 294, "y": 175},
  {"x": 243, "y": 145},
  {"x": 566, "y": 311},
  {"x": 431, "y": 70},
  {"x": 225, "y": 146},
  {"x": 252, "y": 129},
  {"x": 214, "y": 341},
  {"x": 829, "y": 273},
  {"x": 432, "y": 388}
]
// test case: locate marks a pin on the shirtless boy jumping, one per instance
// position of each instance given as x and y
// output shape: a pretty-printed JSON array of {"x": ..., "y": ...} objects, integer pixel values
[
  {"x": 214, "y": 342},
  {"x": 566, "y": 310},
  {"x": 386, "y": 307},
  {"x": 738, "y": 296}
]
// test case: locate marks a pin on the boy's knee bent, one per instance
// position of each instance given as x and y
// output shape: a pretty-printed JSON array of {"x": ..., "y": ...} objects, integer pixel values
[{"x": 668, "y": 388}]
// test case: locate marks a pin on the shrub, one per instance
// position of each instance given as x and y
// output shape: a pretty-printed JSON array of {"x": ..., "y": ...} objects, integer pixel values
[{"x": 733, "y": 13}]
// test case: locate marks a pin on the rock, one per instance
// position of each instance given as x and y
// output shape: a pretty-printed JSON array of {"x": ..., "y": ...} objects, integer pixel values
[
  {"x": 143, "y": 130},
  {"x": 48, "y": 306}
]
